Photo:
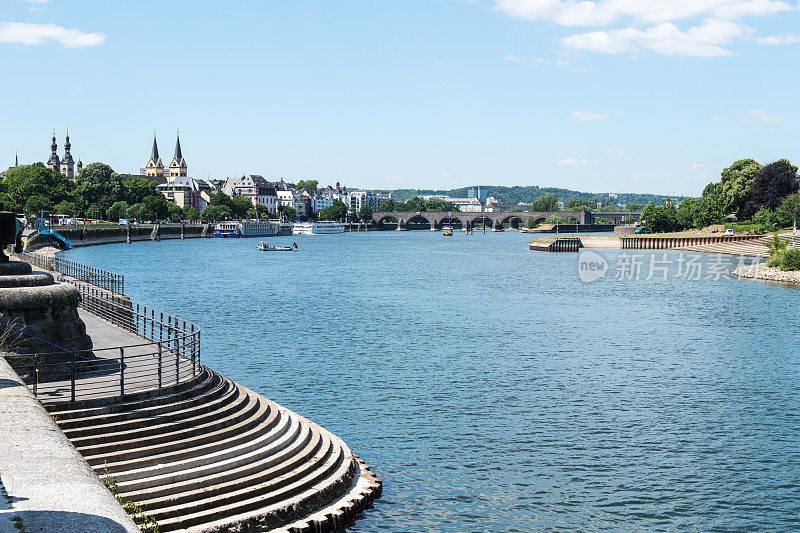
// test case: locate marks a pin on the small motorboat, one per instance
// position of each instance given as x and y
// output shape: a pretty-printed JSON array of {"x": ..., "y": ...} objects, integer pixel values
[
  {"x": 264, "y": 247},
  {"x": 447, "y": 231}
]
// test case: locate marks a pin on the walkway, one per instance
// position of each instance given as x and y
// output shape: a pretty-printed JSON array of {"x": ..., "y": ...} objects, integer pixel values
[{"x": 751, "y": 248}]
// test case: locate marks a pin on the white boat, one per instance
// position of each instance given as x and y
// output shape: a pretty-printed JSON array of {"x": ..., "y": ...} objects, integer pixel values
[
  {"x": 247, "y": 228},
  {"x": 322, "y": 227}
]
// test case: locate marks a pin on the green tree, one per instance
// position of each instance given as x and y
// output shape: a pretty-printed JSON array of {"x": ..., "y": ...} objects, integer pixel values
[
  {"x": 175, "y": 212},
  {"x": 545, "y": 202},
  {"x": 190, "y": 213},
  {"x": 387, "y": 206},
  {"x": 138, "y": 188},
  {"x": 97, "y": 184},
  {"x": 262, "y": 211},
  {"x": 365, "y": 213},
  {"x": 788, "y": 211},
  {"x": 734, "y": 189},
  {"x": 212, "y": 213},
  {"x": 135, "y": 212},
  {"x": 36, "y": 204},
  {"x": 289, "y": 212},
  {"x": 240, "y": 205},
  {"x": 686, "y": 213},
  {"x": 337, "y": 211},
  {"x": 118, "y": 210},
  {"x": 94, "y": 212},
  {"x": 64, "y": 208},
  {"x": 26, "y": 181},
  {"x": 662, "y": 218},
  {"x": 252, "y": 213},
  {"x": 772, "y": 184},
  {"x": 634, "y": 207},
  {"x": 707, "y": 212},
  {"x": 578, "y": 204},
  {"x": 220, "y": 198},
  {"x": 156, "y": 207},
  {"x": 307, "y": 185}
]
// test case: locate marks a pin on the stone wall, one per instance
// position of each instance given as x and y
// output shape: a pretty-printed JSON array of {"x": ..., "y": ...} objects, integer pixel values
[{"x": 763, "y": 272}]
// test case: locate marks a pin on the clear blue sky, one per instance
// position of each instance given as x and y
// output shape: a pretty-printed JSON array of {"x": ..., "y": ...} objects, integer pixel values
[{"x": 606, "y": 96}]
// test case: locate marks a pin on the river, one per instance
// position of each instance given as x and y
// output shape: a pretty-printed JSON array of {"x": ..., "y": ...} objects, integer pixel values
[{"x": 491, "y": 389}]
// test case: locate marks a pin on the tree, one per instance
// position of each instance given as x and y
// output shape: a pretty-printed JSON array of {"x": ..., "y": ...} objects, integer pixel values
[
  {"x": 135, "y": 212},
  {"x": 25, "y": 181},
  {"x": 252, "y": 213},
  {"x": 93, "y": 212},
  {"x": 337, "y": 211},
  {"x": 220, "y": 198},
  {"x": 190, "y": 213},
  {"x": 734, "y": 189},
  {"x": 98, "y": 184},
  {"x": 387, "y": 205},
  {"x": 365, "y": 213},
  {"x": 661, "y": 218},
  {"x": 175, "y": 212},
  {"x": 213, "y": 213},
  {"x": 634, "y": 207},
  {"x": 117, "y": 210},
  {"x": 262, "y": 211},
  {"x": 307, "y": 185},
  {"x": 771, "y": 185},
  {"x": 64, "y": 208},
  {"x": 578, "y": 204},
  {"x": 289, "y": 212},
  {"x": 788, "y": 211},
  {"x": 36, "y": 204},
  {"x": 545, "y": 202},
  {"x": 138, "y": 188},
  {"x": 686, "y": 213},
  {"x": 707, "y": 212},
  {"x": 240, "y": 205},
  {"x": 156, "y": 207}
]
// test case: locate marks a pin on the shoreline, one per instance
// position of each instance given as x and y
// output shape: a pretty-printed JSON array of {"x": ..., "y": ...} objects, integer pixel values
[{"x": 761, "y": 271}]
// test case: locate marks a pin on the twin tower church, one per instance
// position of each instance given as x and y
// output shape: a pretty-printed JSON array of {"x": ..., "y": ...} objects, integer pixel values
[{"x": 155, "y": 167}]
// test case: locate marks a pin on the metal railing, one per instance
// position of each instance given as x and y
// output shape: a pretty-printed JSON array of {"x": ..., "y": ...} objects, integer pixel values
[
  {"x": 171, "y": 356},
  {"x": 98, "y": 277}
]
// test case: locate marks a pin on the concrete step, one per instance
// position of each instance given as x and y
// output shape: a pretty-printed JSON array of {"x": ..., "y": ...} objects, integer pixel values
[
  {"x": 197, "y": 438},
  {"x": 273, "y": 426},
  {"x": 208, "y": 423},
  {"x": 153, "y": 406},
  {"x": 229, "y": 403},
  {"x": 298, "y": 445},
  {"x": 222, "y": 458},
  {"x": 187, "y": 389},
  {"x": 205, "y": 402},
  {"x": 251, "y": 497}
]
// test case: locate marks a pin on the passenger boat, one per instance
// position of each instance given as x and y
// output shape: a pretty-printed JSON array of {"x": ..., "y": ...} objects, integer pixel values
[
  {"x": 447, "y": 231},
  {"x": 323, "y": 227},
  {"x": 247, "y": 228},
  {"x": 264, "y": 247}
]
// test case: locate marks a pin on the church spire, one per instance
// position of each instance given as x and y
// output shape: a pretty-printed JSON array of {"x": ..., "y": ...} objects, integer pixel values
[
  {"x": 178, "y": 154},
  {"x": 16, "y": 159},
  {"x": 54, "y": 163},
  {"x": 154, "y": 152}
]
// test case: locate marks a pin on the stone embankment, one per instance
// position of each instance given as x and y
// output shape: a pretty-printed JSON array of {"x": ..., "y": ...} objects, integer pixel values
[
  {"x": 109, "y": 234},
  {"x": 763, "y": 272}
]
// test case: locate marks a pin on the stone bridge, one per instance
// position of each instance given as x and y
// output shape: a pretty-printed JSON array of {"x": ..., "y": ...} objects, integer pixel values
[{"x": 494, "y": 220}]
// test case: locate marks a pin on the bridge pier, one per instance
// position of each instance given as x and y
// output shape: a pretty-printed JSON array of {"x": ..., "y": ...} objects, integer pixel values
[
  {"x": 400, "y": 226},
  {"x": 497, "y": 225},
  {"x": 433, "y": 225}
]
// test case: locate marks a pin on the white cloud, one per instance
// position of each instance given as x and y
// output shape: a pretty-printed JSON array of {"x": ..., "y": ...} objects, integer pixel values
[
  {"x": 775, "y": 40},
  {"x": 585, "y": 116},
  {"x": 39, "y": 1},
  {"x": 629, "y": 26},
  {"x": 569, "y": 162},
  {"x": 31, "y": 34},
  {"x": 759, "y": 115},
  {"x": 718, "y": 117},
  {"x": 514, "y": 59},
  {"x": 705, "y": 40},
  {"x": 615, "y": 152},
  {"x": 697, "y": 165}
]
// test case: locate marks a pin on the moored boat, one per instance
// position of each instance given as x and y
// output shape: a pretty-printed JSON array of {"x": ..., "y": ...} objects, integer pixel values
[
  {"x": 264, "y": 247},
  {"x": 323, "y": 227}
]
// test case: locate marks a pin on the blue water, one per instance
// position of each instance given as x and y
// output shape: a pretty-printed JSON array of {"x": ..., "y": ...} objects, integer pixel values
[{"x": 492, "y": 390}]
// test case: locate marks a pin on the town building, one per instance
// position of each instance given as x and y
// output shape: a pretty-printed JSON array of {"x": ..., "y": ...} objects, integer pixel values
[
  {"x": 65, "y": 166},
  {"x": 477, "y": 192},
  {"x": 468, "y": 205},
  {"x": 185, "y": 192},
  {"x": 291, "y": 197},
  {"x": 256, "y": 188},
  {"x": 155, "y": 167},
  {"x": 361, "y": 198}
]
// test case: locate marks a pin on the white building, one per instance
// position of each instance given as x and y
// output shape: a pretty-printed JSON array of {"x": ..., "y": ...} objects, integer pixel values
[
  {"x": 255, "y": 187},
  {"x": 293, "y": 199},
  {"x": 361, "y": 198},
  {"x": 184, "y": 191},
  {"x": 468, "y": 205}
]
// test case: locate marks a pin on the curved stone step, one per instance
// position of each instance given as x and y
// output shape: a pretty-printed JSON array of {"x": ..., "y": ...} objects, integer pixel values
[
  {"x": 288, "y": 486},
  {"x": 153, "y": 406},
  {"x": 85, "y": 408},
  {"x": 273, "y": 427},
  {"x": 153, "y": 417},
  {"x": 301, "y": 444},
  {"x": 100, "y": 456},
  {"x": 230, "y": 403}
]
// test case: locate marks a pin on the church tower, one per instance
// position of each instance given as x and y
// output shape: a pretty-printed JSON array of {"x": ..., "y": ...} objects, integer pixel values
[
  {"x": 54, "y": 163},
  {"x": 67, "y": 164},
  {"x": 154, "y": 166},
  {"x": 178, "y": 165}
]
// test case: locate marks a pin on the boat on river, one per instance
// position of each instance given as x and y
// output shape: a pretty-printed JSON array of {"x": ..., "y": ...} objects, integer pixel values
[
  {"x": 447, "y": 231},
  {"x": 247, "y": 228},
  {"x": 264, "y": 247},
  {"x": 322, "y": 227}
]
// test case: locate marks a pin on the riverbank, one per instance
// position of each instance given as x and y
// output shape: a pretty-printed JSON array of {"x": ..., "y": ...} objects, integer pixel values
[{"x": 763, "y": 272}]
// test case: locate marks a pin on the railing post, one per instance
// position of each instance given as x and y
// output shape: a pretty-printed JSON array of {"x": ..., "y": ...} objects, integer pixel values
[
  {"x": 72, "y": 378},
  {"x": 122, "y": 373},
  {"x": 177, "y": 368},
  {"x": 35, "y": 380},
  {"x": 159, "y": 365}
]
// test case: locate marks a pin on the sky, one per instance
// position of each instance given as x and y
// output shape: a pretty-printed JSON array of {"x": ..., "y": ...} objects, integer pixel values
[{"x": 654, "y": 96}]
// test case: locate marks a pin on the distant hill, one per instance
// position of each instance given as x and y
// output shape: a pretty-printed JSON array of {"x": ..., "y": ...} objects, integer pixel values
[{"x": 516, "y": 194}]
